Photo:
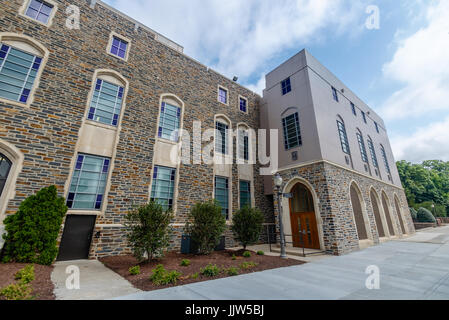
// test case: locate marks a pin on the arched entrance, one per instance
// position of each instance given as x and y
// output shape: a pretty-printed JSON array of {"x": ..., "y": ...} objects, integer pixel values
[
  {"x": 377, "y": 217},
  {"x": 398, "y": 211},
  {"x": 5, "y": 167},
  {"x": 385, "y": 204},
  {"x": 303, "y": 219},
  {"x": 358, "y": 213}
]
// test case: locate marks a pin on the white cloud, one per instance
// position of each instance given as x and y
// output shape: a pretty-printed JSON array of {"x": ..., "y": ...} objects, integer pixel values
[
  {"x": 427, "y": 143},
  {"x": 239, "y": 37},
  {"x": 421, "y": 63}
]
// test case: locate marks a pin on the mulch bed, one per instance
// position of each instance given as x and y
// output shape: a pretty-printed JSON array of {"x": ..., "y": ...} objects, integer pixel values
[
  {"x": 42, "y": 284},
  {"x": 172, "y": 261}
]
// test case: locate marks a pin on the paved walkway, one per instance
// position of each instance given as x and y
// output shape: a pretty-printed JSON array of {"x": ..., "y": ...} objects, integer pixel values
[
  {"x": 413, "y": 268},
  {"x": 96, "y": 282}
]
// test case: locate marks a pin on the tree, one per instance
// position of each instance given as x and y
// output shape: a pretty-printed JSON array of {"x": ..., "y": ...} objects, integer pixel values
[
  {"x": 207, "y": 226},
  {"x": 425, "y": 215},
  {"x": 149, "y": 230},
  {"x": 32, "y": 233},
  {"x": 414, "y": 214},
  {"x": 247, "y": 225}
]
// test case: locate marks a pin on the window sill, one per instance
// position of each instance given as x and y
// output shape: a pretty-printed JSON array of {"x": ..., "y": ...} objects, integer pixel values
[
  {"x": 120, "y": 58},
  {"x": 16, "y": 103},
  {"x": 101, "y": 125},
  {"x": 168, "y": 141},
  {"x": 84, "y": 212}
]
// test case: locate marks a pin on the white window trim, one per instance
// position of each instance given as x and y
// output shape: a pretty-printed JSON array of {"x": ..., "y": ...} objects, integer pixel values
[
  {"x": 227, "y": 94},
  {"x": 23, "y": 9},
  {"x": 225, "y": 120},
  {"x": 30, "y": 45},
  {"x": 247, "y": 104},
  {"x": 177, "y": 102},
  {"x": 109, "y": 46}
]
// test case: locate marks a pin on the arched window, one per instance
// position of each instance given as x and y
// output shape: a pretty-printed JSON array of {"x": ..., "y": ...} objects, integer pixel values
[
  {"x": 170, "y": 118},
  {"x": 243, "y": 143},
  {"x": 5, "y": 167},
  {"x": 343, "y": 136},
  {"x": 362, "y": 147},
  {"x": 222, "y": 132},
  {"x": 21, "y": 62}
]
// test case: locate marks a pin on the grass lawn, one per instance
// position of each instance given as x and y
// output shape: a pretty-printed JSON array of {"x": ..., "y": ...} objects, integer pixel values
[{"x": 192, "y": 273}]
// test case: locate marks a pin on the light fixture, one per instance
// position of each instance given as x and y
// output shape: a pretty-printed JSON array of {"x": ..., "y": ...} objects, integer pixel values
[
  {"x": 235, "y": 79},
  {"x": 278, "y": 180}
]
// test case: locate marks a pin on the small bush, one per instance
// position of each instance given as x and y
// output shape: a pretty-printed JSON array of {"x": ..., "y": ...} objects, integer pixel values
[
  {"x": 25, "y": 275},
  {"x": 185, "y": 263},
  {"x": 247, "y": 225},
  {"x": 232, "y": 271},
  {"x": 162, "y": 277},
  {"x": 17, "y": 291},
  {"x": 210, "y": 270},
  {"x": 248, "y": 265},
  {"x": 234, "y": 257},
  {"x": 206, "y": 226},
  {"x": 260, "y": 253},
  {"x": 149, "y": 230},
  {"x": 195, "y": 275},
  {"x": 32, "y": 233},
  {"x": 134, "y": 271},
  {"x": 414, "y": 214},
  {"x": 247, "y": 254},
  {"x": 425, "y": 215}
]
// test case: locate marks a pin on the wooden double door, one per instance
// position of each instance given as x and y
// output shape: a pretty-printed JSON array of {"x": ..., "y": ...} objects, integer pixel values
[{"x": 303, "y": 219}]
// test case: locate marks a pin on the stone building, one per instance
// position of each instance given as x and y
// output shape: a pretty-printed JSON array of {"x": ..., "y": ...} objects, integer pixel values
[{"x": 95, "y": 111}]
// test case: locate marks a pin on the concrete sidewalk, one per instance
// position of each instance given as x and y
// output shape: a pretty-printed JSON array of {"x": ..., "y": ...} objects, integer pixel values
[
  {"x": 413, "y": 268},
  {"x": 96, "y": 282}
]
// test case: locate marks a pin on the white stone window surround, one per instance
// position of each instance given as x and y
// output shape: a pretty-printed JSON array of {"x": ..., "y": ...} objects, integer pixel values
[
  {"x": 23, "y": 9},
  {"x": 123, "y": 38},
  {"x": 28, "y": 44},
  {"x": 247, "y": 104},
  {"x": 220, "y": 87}
]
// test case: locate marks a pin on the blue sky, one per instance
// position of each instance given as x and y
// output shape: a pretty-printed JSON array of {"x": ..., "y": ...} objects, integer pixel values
[{"x": 401, "y": 69}]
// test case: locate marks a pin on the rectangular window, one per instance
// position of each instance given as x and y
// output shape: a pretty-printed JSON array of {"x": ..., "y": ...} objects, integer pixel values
[
  {"x": 335, "y": 94},
  {"x": 39, "y": 10},
  {"x": 384, "y": 156},
  {"x": 362, "y": 148},
  {"x": 169, "y": 122},
  {"x": 243, "y": 144},
  {"x": 286, "y": 86},
  {"x": 373, "y": 153},
  {"x": 292, "y": 131},
  {"x": 243, "y": 105},
  {"x": 88, "y": 183},
  {"x": 163, "y": 186},
  {"x": 18, "y": 71},
  {"x": 354, "y": 112},
  {"x": 119, "y": 47},
  {"x": 223, "y": 95},
  {"x": 222, "y": 194},
  {"x": 245, "y": 194},
  {"x": 343, "y": 137},
  {"x": 364, "y": 117},
  {"x": 106, "y": 103},
  {"x": 221, "y": 140},
  {"x": 377, "y": 127}
]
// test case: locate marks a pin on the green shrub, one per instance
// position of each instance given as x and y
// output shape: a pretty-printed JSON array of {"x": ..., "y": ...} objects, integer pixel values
[
  {"x": 31, "y": 233},
  {"x": 232, "y": 271},
  {"x": 206, "y": 226},
  {"x": 248, "y": 265},
  {"x": 149, "y": 230},
  {"x": 210, "y": 270},
  {"x": 162, "y": 277},
  {"x": 234, "y": 257},
  {"x": 247, "y": 254},
  {"x": 195, "y": 275},
  {"x": 25, "y": 275},
  {"x": 185, "y": 263},
  {"x": 17, "y": 291},
  {"x": 247, "y": 225},
  {"x": 425, "y": 215},
  {"x": 414, "y": 214},
  {"x": 134, "y": 271},
  {"x": 260, "y": 253},
  {"x": 438, "y": 210}
]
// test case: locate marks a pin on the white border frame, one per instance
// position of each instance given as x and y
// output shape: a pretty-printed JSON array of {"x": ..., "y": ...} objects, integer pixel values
[
  {"x": 109, "y": 46},
  {"x": 227, "y": 95},
  {"x": 23, "y": 9}
]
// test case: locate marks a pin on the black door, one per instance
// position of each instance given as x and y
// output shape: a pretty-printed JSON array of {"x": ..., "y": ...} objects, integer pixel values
[{"x": 77, "y": 237}]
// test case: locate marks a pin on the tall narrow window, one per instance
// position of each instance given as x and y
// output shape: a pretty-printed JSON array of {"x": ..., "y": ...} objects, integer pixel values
[
  {"x": 106, "y": 103},
  {"x": 18, "y": 71},
  {"x": 221, "y": 139},
  {"x": 243, "y": 146},
  {"x": 119, "y": 47},
  {"x": 169, "y": 122},
  {"x": 373, "y": 153},
  {"x": 222, "y": 194},
  {"x": 243, "y": 104},
  {"x": 384, "y": 157},
  {"x": 88, "y": 182},
  {"x": 354, "y": 112},
  {"x": 364, "y": 117},
  {"x": 377, "y": 127},
  {"x": 245, "y": 194},
  {"x": 343, "y": 137},
  {"x": 5, "y": 167},
  {"x": 286, "y": 86},
  {"x": 292, "y": 131},
  {"x": 162, "y": 189},
  {"x": 223, "y": 95},
  {"x": 362, "y": 147},
  {"x": 335, "y": 94},
  {"x": 39, "y": 10}
]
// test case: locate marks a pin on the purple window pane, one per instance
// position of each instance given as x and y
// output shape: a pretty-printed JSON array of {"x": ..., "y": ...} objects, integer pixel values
[
  {"x": 163, "y": 108},
  {"x": 92, "y": 110},
  {"x": 120, "y": 92},
  {"x": 163, "y": 104},
  {"x": 71, "y": 196},
  {"x": 98, "y": 85},
  {"x": 160, "y": 132},
  {"x": 116, "y": 42},
  {"x": 35, "y": 4},
  {"x": 121, "y": 53},
  {"x": 32, "y": 13},
  {"x": 4, "y": 51},
  {"x": 46, "y": 9},
  {"x": 23, "y": 99},
  {"x": 178, "y": 112},
  {"x": 114, "y": 50},
  {"x": 91, "y": 116},
  {"x": 69, "y": 204},
  {"x": 42, "y": 18},
  {"x": 106, "y": 165},
  {"x": 123, "y": 45},
  {"x": 115, "y": 120},
  {"x": 155, "y": 173},
  {"x": 79, "y": 162},
  {"x": 99, "y": 201}
]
